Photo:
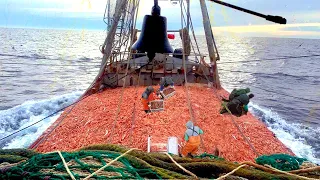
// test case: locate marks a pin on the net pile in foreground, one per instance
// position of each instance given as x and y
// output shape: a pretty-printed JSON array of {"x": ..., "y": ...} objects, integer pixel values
[{"x": 134, "y": 165}]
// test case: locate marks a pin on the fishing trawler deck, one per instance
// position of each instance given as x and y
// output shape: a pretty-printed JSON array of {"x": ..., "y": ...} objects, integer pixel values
[{"x": 102, "y": 118}]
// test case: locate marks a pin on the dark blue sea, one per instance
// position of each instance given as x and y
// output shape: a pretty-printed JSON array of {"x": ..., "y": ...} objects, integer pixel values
[{"x": 44, "y": 70}]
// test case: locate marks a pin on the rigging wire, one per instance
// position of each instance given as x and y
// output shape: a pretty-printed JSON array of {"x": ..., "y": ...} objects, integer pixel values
[
  {"x": 191, "y": 112},
  {"x": 272, "y": 59},
  {"x": 184, "y": 65},
  {"x": 130, "y": 73},
  {"x": 42, "y": 119},
  {"x": 57, "y": 65},
  {"x": 133, "y": 118},
  {"x": 81, "y": 98},
  {"x": 219, "y": 98},
  {"x": 304, "y": 99},
  {"x": 281, "y": 58},
  {"x": 271, "y": 91},
  {"x": 219, "y": 62},
  {"x": 43, "y": 138},
  {"x": 127, "y": 68},
  {"x": 241, "y": 132}
]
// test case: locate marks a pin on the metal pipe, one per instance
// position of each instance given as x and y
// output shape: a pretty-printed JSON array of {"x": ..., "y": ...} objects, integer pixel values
[
  {"x": 275, "y": 19},
  {"x": 188, "y": 15},
  {"x": 109, "y": 15},
  {"x": 210, "y": 45}
]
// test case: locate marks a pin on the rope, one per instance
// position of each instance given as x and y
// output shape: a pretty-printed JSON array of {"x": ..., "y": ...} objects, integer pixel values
[
  {"x": 134, "y": 110},
  {"x": 216, "y": 95},
  {"x": 230, "y": 173},
  {"x": 109, "y": 164},
  {"x": 4, "y": 165},
  {"x": 268, "y": 168},
  {"x": 46, "y": 136},
  {"x": 257, "y": 166},
  {"x": 305, "y": 170},
  {"x": 287, "y": 173},
  {"x": 199, "y": 52},
  {"x": 110, "y": 37},
  {"x": 193, "y": 34},
  {"x": 184, "y": 66},
  {"x": 239, "y": 129},
  {"x": 74, "y": 105},
  {"x": 66, "y": 166},
  {"x": 214, "y": 43},
  {"x": 287, "y": 95},
  {"x": 181, "y": 167},
  {"x": 272, "y": 59},
  {"x": 56, "y": 65},
  {"x": 185, "y": 75},
  {"x": 41, "y": 119},
  {"x": 124, "y": 82}
]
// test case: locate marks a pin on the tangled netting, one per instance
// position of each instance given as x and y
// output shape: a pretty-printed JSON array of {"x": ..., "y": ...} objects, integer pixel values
[
  {"x": 26, "y": 164},
  {"x": 282, "y": 162},
  {"x": 81, "y": 164}
]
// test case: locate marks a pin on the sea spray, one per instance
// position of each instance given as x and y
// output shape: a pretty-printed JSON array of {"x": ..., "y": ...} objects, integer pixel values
[
  {"x": 23, "y": 115},
  {"x": 292, "y": 135}
]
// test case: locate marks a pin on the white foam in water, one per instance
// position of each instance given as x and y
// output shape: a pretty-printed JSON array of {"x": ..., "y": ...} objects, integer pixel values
[
  {"x": 30, "y": 112},
  {"x": 286, "y": 132}
]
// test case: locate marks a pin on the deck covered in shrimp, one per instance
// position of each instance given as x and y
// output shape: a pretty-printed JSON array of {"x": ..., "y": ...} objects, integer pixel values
[{"x": 104, "y": 118}]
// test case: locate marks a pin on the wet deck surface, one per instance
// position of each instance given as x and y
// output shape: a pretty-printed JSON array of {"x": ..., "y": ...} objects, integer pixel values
[{"x": 93, "y": 121}]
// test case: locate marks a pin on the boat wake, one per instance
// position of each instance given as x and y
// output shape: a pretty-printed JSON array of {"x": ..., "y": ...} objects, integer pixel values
[
  {"x": 18, "y": 117},
  {"x": 297, "y": 137}
]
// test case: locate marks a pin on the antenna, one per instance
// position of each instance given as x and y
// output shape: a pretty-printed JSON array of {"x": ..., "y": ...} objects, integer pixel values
[{"x": 275, "y": 19}]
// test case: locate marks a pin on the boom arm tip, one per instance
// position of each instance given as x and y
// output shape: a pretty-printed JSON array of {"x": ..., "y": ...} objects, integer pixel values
[{"x": 276, "y": 19}]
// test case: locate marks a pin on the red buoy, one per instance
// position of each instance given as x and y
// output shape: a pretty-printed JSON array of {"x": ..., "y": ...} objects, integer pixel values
[{"x": 171, "y": 36}]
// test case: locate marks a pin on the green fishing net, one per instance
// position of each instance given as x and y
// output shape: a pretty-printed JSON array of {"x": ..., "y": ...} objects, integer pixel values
[
  {"x": 81, "y": 165},
  {"x": 282, "y": 162},
  {"x": 211, "y": 156},
  {"x": 134, "y": 165}
]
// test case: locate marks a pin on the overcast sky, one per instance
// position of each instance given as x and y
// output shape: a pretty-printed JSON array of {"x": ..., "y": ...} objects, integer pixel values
[{"x": 303, "y": 16}]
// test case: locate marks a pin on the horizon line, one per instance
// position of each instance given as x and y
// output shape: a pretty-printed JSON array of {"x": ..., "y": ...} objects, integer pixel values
[{"x": 197, "y": 34}]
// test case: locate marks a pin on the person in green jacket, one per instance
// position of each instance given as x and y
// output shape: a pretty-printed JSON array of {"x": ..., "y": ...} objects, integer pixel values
[
  {"x": 235, "y": 93},
  {"x": 238, "y": 106}
]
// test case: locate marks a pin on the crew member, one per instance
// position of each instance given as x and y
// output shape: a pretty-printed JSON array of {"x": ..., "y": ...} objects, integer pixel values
[
  {"x": 192, "y": 138},
  {"x": 238, "y": 106},
  {"x": 165, "y": 82},
  {"x": 235, "y": 93},
  {"x": 147, "y": 96}
]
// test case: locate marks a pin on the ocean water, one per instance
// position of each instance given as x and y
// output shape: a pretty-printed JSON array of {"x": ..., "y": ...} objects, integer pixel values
[{"x": 42, "y": 71}]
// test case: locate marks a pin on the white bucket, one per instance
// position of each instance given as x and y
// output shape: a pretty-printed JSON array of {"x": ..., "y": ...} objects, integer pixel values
[{"x": 172, "y": 146}]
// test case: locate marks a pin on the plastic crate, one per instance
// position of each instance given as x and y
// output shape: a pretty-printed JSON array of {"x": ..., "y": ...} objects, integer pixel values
[
  {"x": 156, "y": 105},
  {"x": 168, "y": 92}
]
